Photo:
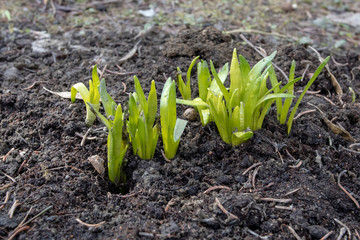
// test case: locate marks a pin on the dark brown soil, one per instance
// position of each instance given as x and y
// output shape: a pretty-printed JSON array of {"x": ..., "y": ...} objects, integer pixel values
[{"x": 167, "y": 200}]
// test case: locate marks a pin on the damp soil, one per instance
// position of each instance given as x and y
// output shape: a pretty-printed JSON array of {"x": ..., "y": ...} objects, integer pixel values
[{"x": 294, "y": 182}]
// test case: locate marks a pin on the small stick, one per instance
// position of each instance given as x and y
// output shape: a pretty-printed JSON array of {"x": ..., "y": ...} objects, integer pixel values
[
  {"x": 38, "y": 215},
  {"x": 354, "y": 145},
  {"x": 357, "y": 234},
  {"x": 346, "y": 227},
  {"x": 18, "y": 231},
  {"x": 11, "y": 178},
  {"x": 254, "y": 177},
  {"x": 88, "y": 138},
  {"x": 326, "y": 99},
  {"x": 290, "y": 208},
  {"x": 326, "y": 235},
  {"x": 297, "y": 165},
  {"x": 310, "y": 92},
  {"x": 170, "y": 203},
  {"x": 90, "y": 225},
  {"x": 13, "y": 207},
  {"x": 337, "y": 63},
  {"x": 102, "y": 72},
  {"x": 33, "y": 85},
  {"x": 294, "y": 233},
  {"x": 279, "y": 200},
  {"x": 120, "y": 73},
  {"x": 251, "y": 167},
  {"x": 163, "y": 154},
  {"x": 7, "y": 196},
  {"x": 230, "y": 215},
  {"x": 345, "y": 191},
  {"x": 85, "y": 136},
  {"x": 257, "y": 235},
  {"x": 260, "y": 32},
  {"x": 124, "y": 85},
  {"x": 129, "y": 195},
  {"x": 304, "y": 112},
  {"x": 6, "y": 186},
  {"x": 350, "y": 150},
  {"x": 341, "y": 234},
  {"x": 8, "y": 154},
  {"x": 22, "y": 222},
  {"x": 291, "y": 192},
  {"x": 216, "y": 188}
]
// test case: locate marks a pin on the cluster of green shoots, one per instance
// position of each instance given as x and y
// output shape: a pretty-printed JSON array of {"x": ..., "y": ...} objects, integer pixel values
[
  {"x": 237, "y": 110},
  {"x": 240, "y": 109},
  {"x": 140, "y": 129}
]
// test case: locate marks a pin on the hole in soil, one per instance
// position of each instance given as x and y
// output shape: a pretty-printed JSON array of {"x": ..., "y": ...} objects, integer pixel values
[{"x": 130, "y": 182}]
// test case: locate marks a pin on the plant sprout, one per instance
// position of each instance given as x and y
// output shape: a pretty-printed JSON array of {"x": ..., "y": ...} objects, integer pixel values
[
  {"x": 116, "y": 143},
  {"x": 92, "y": 96},
  {"x": 283, "y": 109},
  {"x": 143, "y": 132},
  {"x": 241, "y": 109},
  {"x": 171, "y": 127}
]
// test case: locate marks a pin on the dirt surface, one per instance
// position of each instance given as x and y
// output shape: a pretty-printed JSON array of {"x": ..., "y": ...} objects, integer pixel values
[{"x": 276, "y": 186}]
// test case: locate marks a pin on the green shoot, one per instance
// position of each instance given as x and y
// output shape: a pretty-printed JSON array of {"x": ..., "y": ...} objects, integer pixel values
[
  {"x": 353, "y": 94},
  {"x": 240, "y": 109},
  {"x": 143, "y": 133},
  {"x": 116, "y": 143},
  {"x": 283, "y": 109},
  {"x": 171, "y": 127},
  {"x": 92, "y": 96},
  {"x": 185, "y": 88}
]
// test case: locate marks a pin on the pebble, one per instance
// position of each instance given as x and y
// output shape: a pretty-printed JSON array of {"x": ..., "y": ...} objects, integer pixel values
[
  {"x": 190, "y": 114},
  {"x": 317, "y": 231}
]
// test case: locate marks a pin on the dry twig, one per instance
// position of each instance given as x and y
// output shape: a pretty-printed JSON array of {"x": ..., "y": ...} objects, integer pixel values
[
  {"x": 216, "y": 188},
  {"x": 8, "y": 154},
  {"x": 327, "y": 235},
  {"x": 251, "y": 167},
  {"x": 345, "y": 191},
  {"x": 279, "y": 200},
  {"x": 294, "y": 233},
  {"x": 228, "y": 214},
  {"x": 90, "y": 225},
  {"x": 17, "y": 232}
]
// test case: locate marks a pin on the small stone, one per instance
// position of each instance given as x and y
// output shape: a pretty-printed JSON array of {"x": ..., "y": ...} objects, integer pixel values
[
  {"x": 317, "y": 231},
  {"x": 211, "y": 222},
  {"x": 190, "y": 114}
]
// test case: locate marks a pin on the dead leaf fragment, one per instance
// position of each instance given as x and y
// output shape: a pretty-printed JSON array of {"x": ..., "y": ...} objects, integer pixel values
[
  {"x": 339, "y": 130},
  {"x": 98, "y": 163},
  {"x": 130, "y": 54},
  {"x": 63, "y": 94}
]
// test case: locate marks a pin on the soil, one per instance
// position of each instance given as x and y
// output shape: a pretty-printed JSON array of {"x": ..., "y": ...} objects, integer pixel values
[{"x": 294, "y": 186}]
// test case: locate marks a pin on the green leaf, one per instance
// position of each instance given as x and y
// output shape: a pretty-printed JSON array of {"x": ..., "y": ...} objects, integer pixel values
[
  {"x": 81, "y": 88},
  {"x": 256, "y": 70},
  {"x": 141, "y": 96},
  {"x": 179, "y": 128},
  {"x": 288, "y": 101},
  {"x": 311, "y": 81},
  {"x": 235, "y": 78},
  {"x": 188, "y": 74},
  {"x": 107, "y": 101},
  {"x": 219, "y": 83},
  {"x": 106, "y": 122},
  {"x": 185, "y": 92},
  {"x": 152, "y": 104},
  {"x": 241, "y": 137},
  {"x": 96, "y": 82},
  {"x": 197, "y": 102},
  {"x": 204, "y": 79}
]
